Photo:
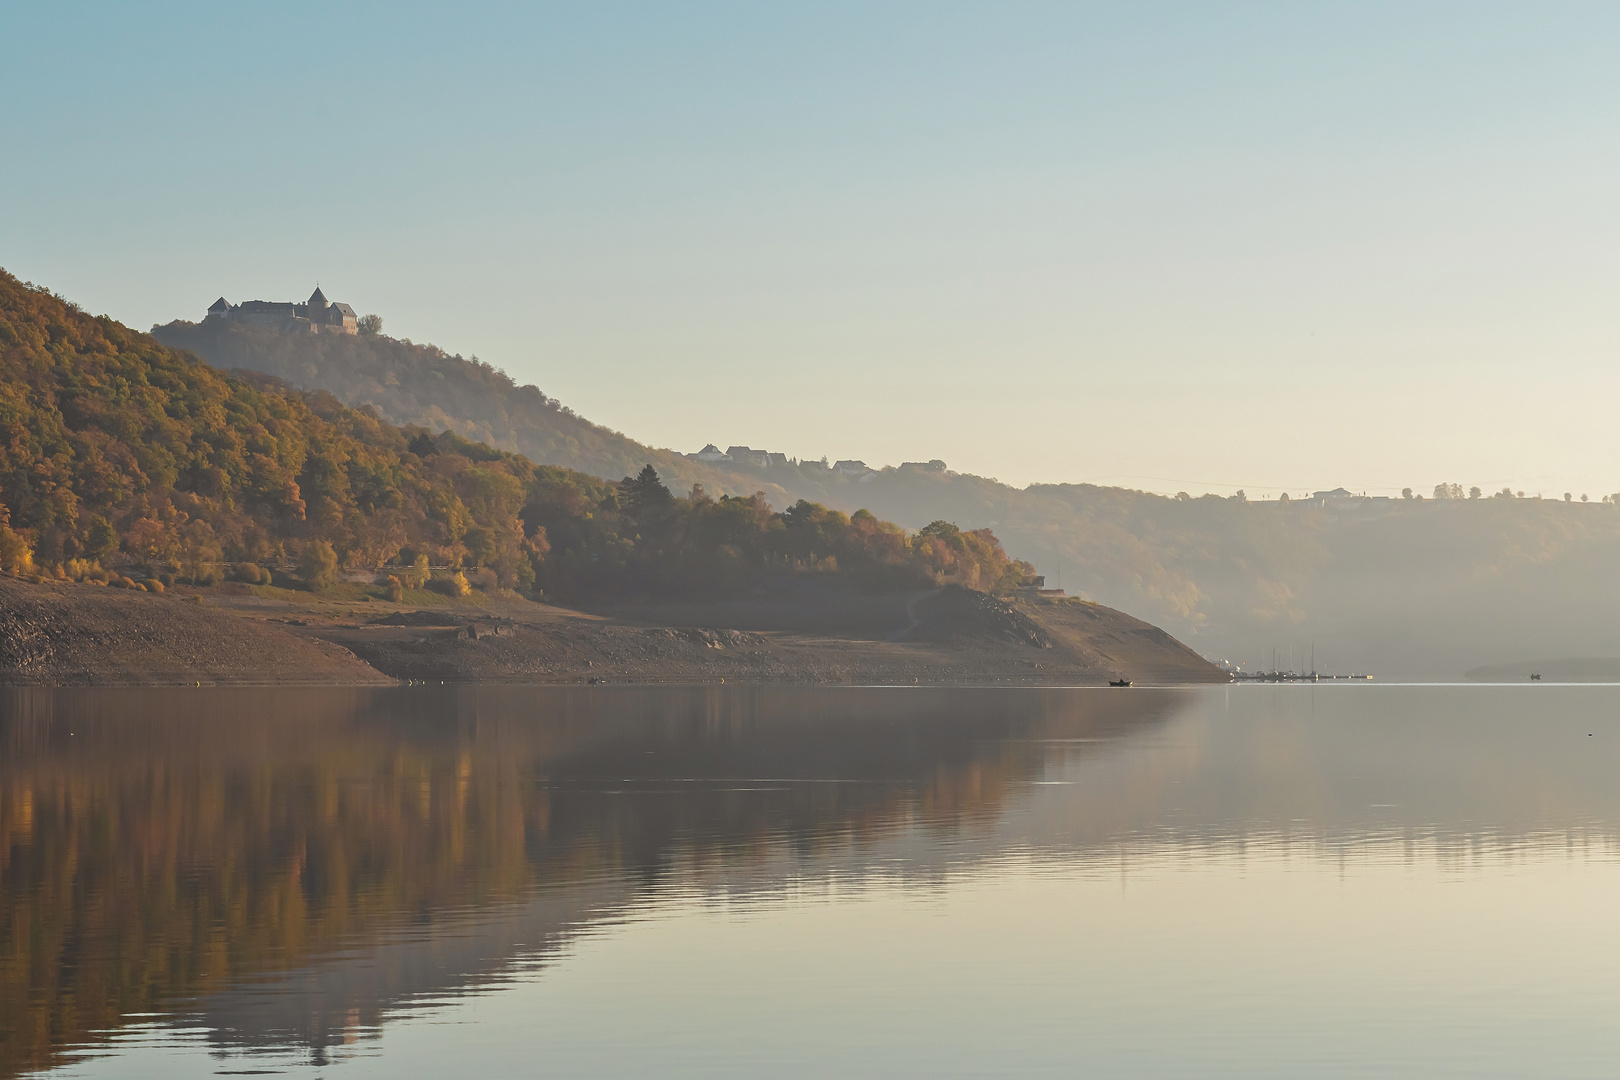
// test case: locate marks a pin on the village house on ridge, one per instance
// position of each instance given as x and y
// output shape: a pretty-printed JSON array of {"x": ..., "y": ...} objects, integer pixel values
[{"x": 852, "y": 468}]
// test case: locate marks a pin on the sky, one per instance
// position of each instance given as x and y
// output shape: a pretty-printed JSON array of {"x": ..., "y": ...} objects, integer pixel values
[{"x": 1172, "y": 246}]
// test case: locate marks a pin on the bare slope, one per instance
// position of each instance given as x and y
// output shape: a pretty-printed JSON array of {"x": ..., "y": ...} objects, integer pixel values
[
  {"x": 66, "y": 635},
  {"x": 1111, "y": 641},
  {"x": 949, "y": 635},
  {"x": 58, "y": 634}
]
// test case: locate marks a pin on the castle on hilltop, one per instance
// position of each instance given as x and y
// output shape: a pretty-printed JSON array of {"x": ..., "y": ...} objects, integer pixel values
[{"x": 315, "y": 316}]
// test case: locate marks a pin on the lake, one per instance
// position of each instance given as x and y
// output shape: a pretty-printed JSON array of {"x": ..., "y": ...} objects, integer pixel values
[{"x": 715, "y": 881}]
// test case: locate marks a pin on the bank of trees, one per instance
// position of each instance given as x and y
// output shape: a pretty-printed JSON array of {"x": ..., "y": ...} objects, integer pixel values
[
  {"x": 639, "y": 538},
  {"x": 119, "y": 452}
]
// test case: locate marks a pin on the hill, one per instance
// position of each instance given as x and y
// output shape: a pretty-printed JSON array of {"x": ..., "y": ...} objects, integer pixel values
[
  {"x": 1418, "y": 588},
  {"x": 127, "y": 462},
  {"x": 1400, "y": 588},
  {"x": 127, "y": 456},
  {"x": 422, "y": 385}
]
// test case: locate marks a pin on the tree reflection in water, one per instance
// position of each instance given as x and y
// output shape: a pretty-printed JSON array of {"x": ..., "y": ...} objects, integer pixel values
[{"x": 203, "y": 851}]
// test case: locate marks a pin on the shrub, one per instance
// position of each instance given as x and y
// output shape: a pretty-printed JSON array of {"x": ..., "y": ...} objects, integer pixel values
[
  {"x": 153, "y": 585},
  {"x": 454, "y": 585},
  {"x": 484, "y": 578},
  {"x": 252, "y": 573},
  {"x": 318, "y": 565},
  {"x": 396, "y": 589},
  {"x": 16, "y": 556}
]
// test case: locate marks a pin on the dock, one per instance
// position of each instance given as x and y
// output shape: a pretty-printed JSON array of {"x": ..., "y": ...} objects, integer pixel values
[{"x": 1294, "y": 676}]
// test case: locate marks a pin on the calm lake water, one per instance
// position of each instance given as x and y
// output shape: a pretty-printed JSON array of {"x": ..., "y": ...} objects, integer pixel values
[{"x": 607, "y": 882}]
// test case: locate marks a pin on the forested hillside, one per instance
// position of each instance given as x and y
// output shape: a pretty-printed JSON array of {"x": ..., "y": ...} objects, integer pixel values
[
  {"x": 1419, "y": 588},
  {"x": 422, "y": 385},
  {"x": 123, "y": 456}
]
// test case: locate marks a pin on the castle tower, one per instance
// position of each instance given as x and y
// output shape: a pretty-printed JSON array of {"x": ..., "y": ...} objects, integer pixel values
[{"x": 317, "y": 306}]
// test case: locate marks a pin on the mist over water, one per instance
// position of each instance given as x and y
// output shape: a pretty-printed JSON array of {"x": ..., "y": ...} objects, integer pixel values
[{"x": 717, "y": 881}]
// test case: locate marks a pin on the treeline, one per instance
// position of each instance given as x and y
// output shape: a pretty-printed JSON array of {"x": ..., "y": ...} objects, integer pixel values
[
  {"x": 121, "y": 454},
  {"x": 637, "y": 537}
]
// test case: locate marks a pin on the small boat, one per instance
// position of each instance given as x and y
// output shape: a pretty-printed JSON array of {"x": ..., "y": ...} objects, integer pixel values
[
  {"x": 1119, "y": 682},
  {"x": 1535, "y": 677}
]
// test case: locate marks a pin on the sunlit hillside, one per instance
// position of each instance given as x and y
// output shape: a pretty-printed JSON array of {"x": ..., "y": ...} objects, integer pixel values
[{"x": 129, "y": 461}]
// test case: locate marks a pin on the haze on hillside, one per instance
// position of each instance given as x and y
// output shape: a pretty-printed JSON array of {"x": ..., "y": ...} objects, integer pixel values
[
  {"x": 1167, "y": 246},
  {"x": 1429, "y": 584}
]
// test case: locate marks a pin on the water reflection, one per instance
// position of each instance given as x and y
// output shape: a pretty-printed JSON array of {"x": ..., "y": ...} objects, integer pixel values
[
  {"x": 169, "y": 850},
  {"x": 290, "y": 868}
]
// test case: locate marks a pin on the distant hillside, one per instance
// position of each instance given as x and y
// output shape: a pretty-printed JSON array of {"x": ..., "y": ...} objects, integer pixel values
[
  {"x": 1419, "y": 588},
  {"x": 1400, "y": 588}
]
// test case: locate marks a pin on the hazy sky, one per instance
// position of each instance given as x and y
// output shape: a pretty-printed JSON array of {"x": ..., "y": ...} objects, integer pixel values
[{"x": 1182, "y": 245}]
